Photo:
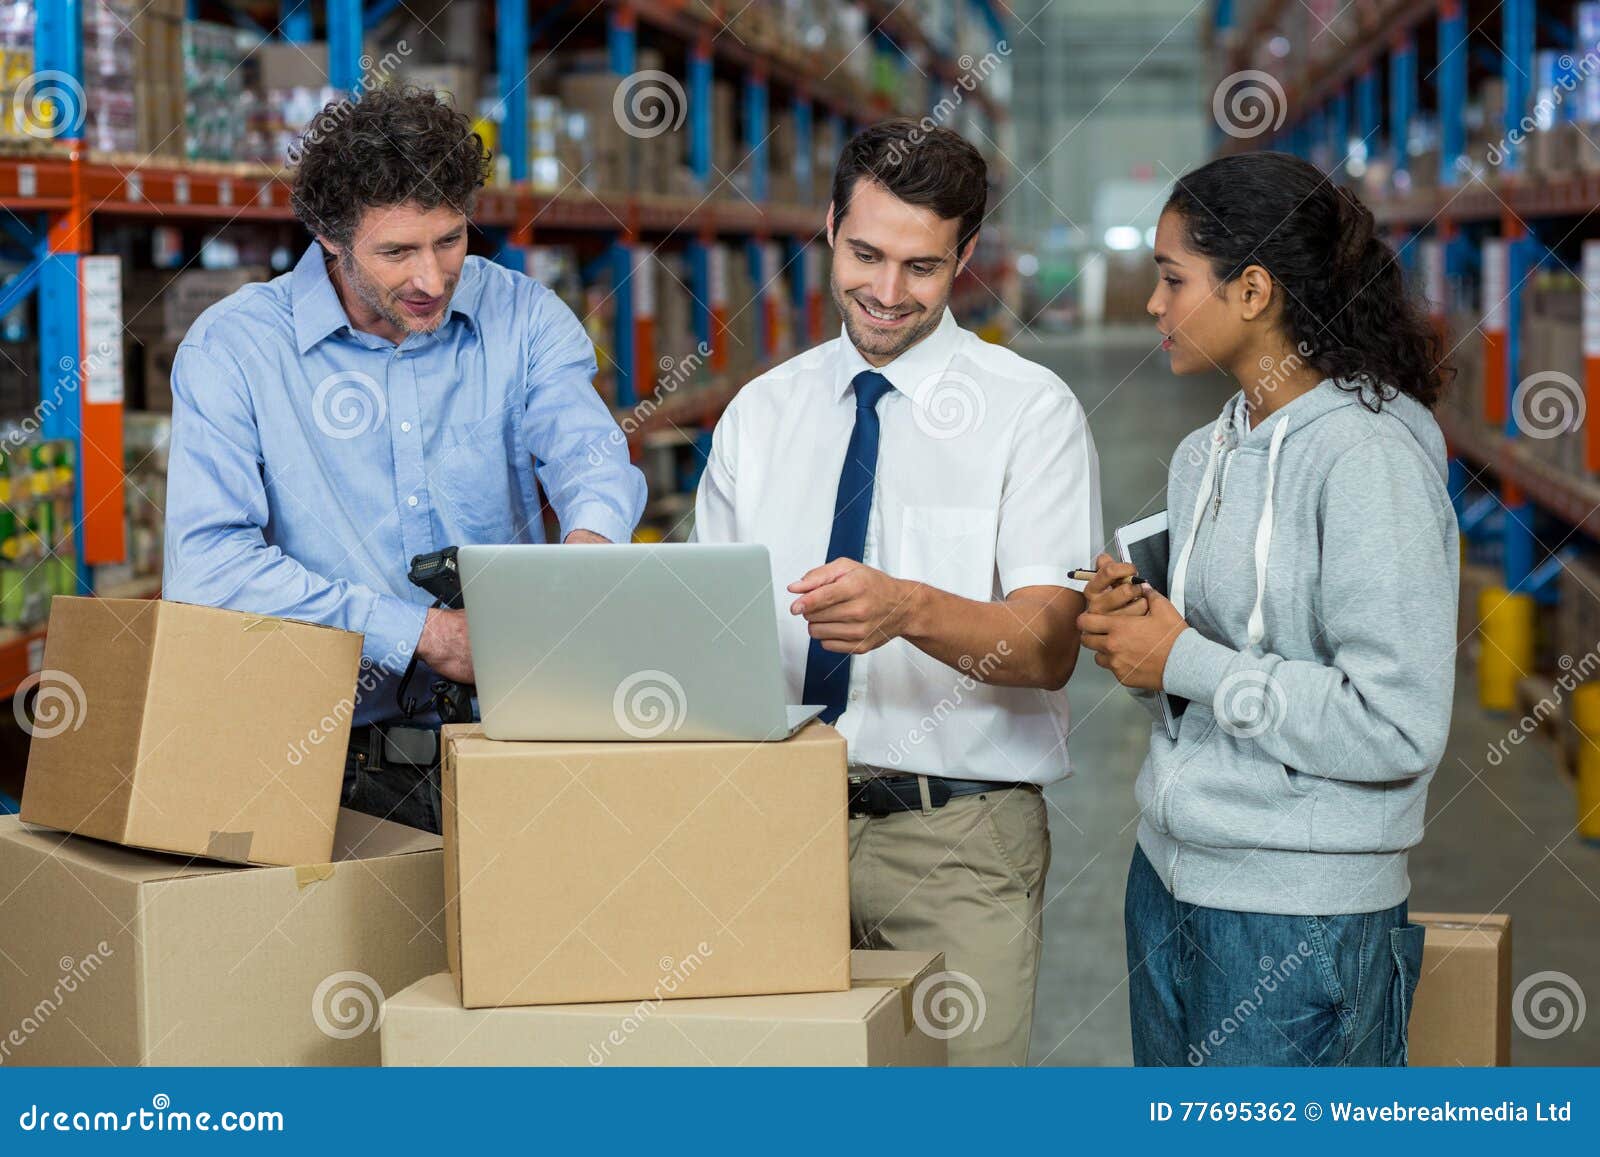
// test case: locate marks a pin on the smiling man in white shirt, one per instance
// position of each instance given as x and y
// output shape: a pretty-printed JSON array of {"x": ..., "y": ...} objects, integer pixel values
[{"x": 923, "y": 495}]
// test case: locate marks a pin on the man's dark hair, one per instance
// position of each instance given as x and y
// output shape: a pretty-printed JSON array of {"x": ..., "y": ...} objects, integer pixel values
[
  {"x": 923, "y": 165},
  {"x": 393, "y": 146}
]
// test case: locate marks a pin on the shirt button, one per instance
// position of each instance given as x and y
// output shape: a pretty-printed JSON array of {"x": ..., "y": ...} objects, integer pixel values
[
  {"x": 855, "y": 697},
  {"x": 412, "y": 501},
  {"x": 405, "y": 427}
]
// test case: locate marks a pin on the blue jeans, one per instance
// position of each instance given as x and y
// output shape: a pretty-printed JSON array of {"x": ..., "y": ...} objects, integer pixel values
[
  {"x": 399, "y": 794},
  {"x": 1207, "y": 986}
]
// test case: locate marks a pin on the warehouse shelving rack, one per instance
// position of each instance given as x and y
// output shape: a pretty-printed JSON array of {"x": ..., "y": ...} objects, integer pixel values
[
  {"x": 51, "y": 197},
  {"x": 1327, "y": 107}
]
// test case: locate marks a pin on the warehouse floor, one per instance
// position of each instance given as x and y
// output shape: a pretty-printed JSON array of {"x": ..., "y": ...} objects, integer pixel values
[{"x": 1499, "y": 839}]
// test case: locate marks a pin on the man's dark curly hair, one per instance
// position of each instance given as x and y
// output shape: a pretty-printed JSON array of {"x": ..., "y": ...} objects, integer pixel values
[{"x": 393, "y": 146}]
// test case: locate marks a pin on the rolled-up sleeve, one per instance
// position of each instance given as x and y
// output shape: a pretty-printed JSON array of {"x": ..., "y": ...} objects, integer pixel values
[{"x": 580, "y": 452}]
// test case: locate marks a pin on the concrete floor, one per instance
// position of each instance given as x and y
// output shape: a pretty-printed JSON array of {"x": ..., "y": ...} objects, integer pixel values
[{"x": 1499, "y": 839}]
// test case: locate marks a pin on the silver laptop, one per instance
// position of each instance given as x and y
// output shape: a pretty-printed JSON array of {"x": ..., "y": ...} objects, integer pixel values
[{"x": 626, "y": 642}]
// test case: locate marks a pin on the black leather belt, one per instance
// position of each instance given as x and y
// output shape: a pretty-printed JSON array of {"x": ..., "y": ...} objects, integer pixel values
[
  {"x": 377, "y": 746},
  {"x": 881, "y": 795}
]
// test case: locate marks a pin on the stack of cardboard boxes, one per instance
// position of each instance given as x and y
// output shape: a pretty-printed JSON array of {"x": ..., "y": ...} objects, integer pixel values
[
  {"x": 702, "y": 921},
  {"x": 1552, "y": 344},
  {"x": 635, "y": 128},
  {"x": 181, "y": 887},
  {"x": 195, "y": 896}
]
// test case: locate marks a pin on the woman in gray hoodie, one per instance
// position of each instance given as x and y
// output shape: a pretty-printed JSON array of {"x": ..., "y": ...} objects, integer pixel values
[{"x": 1309, "y": 636}]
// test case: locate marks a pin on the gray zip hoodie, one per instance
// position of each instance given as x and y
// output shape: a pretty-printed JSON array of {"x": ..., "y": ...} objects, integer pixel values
[{"x": 1320, "y": 590}]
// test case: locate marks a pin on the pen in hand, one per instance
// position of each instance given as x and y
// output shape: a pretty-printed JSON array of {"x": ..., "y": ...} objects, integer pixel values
[{"x": 1090, "y": 575}]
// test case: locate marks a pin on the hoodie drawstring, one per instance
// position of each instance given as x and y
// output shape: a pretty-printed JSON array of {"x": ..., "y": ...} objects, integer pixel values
[{"x": 1257, "y": 629}]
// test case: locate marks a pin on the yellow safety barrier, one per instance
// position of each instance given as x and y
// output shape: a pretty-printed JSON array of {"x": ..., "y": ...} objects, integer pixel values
[
  {"x": 1586, "y": 718},
  {"x": 1506, "y": 655}
]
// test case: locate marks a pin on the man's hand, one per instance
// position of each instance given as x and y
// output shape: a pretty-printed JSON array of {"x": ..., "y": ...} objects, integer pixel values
[
  {"x": 1110, "y": 592},
  {"x": 1134, "y": 647},
  {"x": 444, "y": 645},
  {"x": 585, "y": 536},
  {"x": 851, "y": 607}
]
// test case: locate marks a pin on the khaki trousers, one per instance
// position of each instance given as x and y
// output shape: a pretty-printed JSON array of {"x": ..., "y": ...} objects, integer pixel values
[{"x": 967, "y": 880}]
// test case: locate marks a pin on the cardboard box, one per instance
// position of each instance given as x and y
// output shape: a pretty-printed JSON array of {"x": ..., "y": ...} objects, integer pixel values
[
  {"x": 122, "y": 957},
  {"x": 874, "y": 1022},
  {"x": 1462, "y": 1011},
  {"x": 590, "y": 871},
  {"x": 191, "y": 730}
]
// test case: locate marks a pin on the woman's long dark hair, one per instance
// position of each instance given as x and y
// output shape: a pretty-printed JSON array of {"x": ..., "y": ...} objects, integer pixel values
[{"x": 1345, "y": 305}]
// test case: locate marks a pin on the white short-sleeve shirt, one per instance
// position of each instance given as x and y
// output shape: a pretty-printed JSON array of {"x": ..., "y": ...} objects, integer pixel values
[{"x": 987, "y": 481}]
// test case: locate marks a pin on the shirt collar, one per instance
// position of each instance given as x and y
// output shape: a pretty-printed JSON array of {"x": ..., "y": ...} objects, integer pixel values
[
  {"x": 318, "y": 311},
  {"x": 914, "y": 373}
]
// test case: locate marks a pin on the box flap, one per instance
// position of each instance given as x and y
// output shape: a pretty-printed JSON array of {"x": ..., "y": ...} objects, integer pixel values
[
  {"x": 438, "y": 994},
  {"x": 133, "y": 864},
  {"x": 899, "y": 973},
  {"x": 469, "y": 739},
  {"x": 252, "y": 622},
  {"x": 358, "y": 836}
]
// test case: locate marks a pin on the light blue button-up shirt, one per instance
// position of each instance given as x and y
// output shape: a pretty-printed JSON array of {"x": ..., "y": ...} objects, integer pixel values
[{"x": 310, "y": 460}]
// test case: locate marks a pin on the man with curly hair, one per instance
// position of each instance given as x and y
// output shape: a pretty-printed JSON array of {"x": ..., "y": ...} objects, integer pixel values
[{"x": 388, "y": 397}]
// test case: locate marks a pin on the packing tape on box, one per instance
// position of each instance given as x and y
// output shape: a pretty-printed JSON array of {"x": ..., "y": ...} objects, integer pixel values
[
  {"x": 231, "y": 846},
  {"x": 310, "y": 874},
  {"x": 262, "y": 625}
]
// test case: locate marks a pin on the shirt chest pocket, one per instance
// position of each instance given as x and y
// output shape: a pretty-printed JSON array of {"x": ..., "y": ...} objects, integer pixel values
[
  {"x": 951, "y": 548},
  {"x": 471, "y": 478}
]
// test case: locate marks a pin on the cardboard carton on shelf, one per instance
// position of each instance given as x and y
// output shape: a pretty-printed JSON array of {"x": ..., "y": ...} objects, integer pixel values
[
  {"x": 881, "y": 1019},
  {"x": 123, "y": 957},
  {"x": 1461, "y": 1014},
  {"x": 191, "y": 729},
  {"x": 588, "y": 871}
]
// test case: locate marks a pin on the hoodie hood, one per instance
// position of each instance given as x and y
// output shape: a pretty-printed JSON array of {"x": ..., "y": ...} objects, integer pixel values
[{"x": 1329, "y": 396}]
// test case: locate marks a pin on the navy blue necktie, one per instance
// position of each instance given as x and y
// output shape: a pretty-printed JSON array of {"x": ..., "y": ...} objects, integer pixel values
[{"x": 828, "y": 673}]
